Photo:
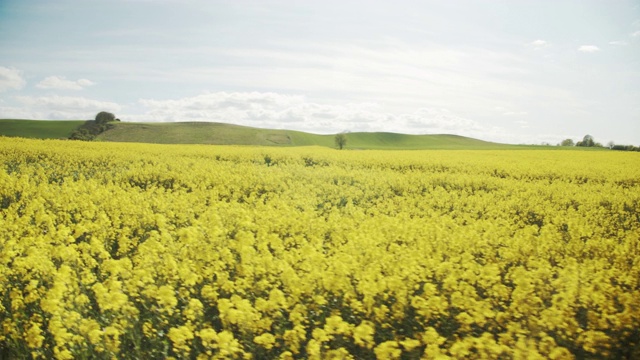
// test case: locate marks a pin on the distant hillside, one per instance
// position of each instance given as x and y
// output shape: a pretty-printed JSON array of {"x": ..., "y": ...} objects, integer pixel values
[
  {"x": 228, "y": 134},
  {"x": 39, "y": 129},
  {"x": 208, "y": 133}
]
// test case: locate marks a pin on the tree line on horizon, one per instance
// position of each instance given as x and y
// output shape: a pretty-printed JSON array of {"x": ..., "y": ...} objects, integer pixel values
[
  {"x": 588, "y": 141},
  {"x": 102, "y": 122}
]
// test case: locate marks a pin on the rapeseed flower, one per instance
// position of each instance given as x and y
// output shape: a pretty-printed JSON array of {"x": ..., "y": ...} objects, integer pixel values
[{"x": 132, "y": 250}]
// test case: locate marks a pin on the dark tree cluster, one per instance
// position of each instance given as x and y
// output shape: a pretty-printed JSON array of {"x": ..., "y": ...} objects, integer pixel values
[
  {"x": 625, "y": 148},
  {"x": 588, "y": 141},
  {"x": 92, "y": 128}
]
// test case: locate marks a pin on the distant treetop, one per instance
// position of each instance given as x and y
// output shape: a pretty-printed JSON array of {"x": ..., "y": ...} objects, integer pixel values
[
  {"x": 587, "y": 141},
  {"x": 567, "y": 142},
  {"x": 104, "y": 117}
]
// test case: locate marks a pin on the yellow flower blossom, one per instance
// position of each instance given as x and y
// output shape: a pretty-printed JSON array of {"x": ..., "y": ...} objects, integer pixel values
[
  {"x": 363, "y": 334},
  {"x": 166, "y": 299},
  {"x": 208, "y": 336},
  {"x": 228, "y": 346},
  {"x": 314, "y": 349},
  {"x": 181, "y": 339},
  {"x": 61, "y": 353},
  {"x": 34, "y": 336},
  {"x": 112, "y": 339},
  {"x": 265, "y": 340},
  {"x": 294, "y": 338},
  {"x": 388, "y": 350},
  {"x": 338, "y": 354},
  {"x": 410, "y": 344},
  {"x": 335, "y": 325},
  {"x": 193, "y": 310}
]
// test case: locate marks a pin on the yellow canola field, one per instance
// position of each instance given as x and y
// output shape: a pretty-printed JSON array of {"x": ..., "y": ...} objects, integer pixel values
[{"x": 140, "y": 251}]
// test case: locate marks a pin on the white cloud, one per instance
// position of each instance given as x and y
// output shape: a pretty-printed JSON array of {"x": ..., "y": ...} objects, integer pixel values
[
  {"x": 263, "y": 109},
  {"x": 10, "y": 112},
  {"x": 508, "y": 112},
  {"x": 11, "y": 78},
  {"x": 392, "y": 73},
  {"x": 274, "y": 110},
  {"x": 588, "y": 48},
  {"x": 618, "y": 43},
  {"x": 429, "y": 120},
  {"x": 65, "y": 107},
  {"x": 61, "y": 83},
  {"x": 636, "y": 34},
  {"x": 539, "y": 44},
  {"x": 514, "y": 113}
]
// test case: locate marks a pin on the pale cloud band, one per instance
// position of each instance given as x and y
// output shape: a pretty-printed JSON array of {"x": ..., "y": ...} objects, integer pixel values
[
  {"x": 588, "y": 49},
  {"x": 57, "y": 107},
  {"x": 274, "y": 110},
  {"x": 539, "y": 44},
  {"x": 61, "y": 83},
  {"x": 264, "y": 110}
]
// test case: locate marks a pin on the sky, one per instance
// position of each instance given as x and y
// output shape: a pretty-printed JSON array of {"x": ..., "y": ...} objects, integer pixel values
[{"x": 512, "y": 71}]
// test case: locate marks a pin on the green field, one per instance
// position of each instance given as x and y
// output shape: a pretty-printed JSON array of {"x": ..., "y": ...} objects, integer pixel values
[
  {"x": 229, "y": 134},
  {"x": 39, "y": 129}
]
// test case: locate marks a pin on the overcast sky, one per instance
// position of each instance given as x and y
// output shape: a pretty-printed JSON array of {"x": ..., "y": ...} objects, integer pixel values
[{"x": 509, "y": 71}]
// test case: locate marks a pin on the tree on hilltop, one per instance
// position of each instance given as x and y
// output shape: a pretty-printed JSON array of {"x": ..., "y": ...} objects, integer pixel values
[{"x": 104, "y": 117}]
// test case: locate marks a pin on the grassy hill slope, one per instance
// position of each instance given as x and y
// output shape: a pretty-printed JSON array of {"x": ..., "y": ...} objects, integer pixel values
[
  {"x": 195, "y": 133},
  {"x": 226, "y": 134},
  {"x": 39, "y": 129},
  {"x": 384, "y": 140}
]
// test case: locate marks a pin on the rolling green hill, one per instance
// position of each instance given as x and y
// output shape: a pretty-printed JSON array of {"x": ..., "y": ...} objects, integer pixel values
[
  {"x": 228, "y": 134},
  {"x": 39, "y": 129}
]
